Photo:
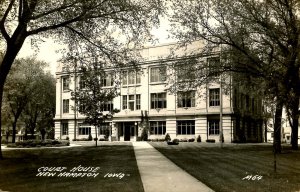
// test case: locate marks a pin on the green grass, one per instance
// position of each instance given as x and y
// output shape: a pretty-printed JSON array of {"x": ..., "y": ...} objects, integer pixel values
[
  {"x": 20, "y": 167},
  {"x": 224, "y": 169}
]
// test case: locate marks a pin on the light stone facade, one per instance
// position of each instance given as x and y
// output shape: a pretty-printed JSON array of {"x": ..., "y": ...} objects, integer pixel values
[{"x": 198, "y": 117}]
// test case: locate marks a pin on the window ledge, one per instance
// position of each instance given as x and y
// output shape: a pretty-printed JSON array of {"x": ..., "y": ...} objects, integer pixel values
[
  {"x": 186, "y": 108},
  {"x": 131, "y": 85},
  {"x": 157, "y": 83}
]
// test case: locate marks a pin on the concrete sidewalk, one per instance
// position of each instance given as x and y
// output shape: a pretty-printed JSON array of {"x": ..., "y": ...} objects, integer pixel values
[{"x": 160, "y": 174}]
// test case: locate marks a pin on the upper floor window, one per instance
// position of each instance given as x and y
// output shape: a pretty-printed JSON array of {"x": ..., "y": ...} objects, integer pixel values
[
  {"x": 65, "y": 105},
  {"x": 186, "y": 72},
  {"x": 82, "y": 83},
  {"x": 186, "y": 99},
  {"x": 214, "y": 97},
  {"x": 65, "y": 83},
  {"x": 157, "y": 74},
  {"x": 131, "y": 77},
  {"x": 158, "y": 100},
  {"x": 107, "y": 106},
  {"x": 132, "y": 102},
  {"x": 213, "y": 66},
  {"x": 108, "y": 80}
]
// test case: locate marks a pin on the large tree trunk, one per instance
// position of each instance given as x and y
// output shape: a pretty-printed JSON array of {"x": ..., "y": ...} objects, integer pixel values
[
  {"x": 295, "y": 124},
  {"x": 13, "y": 47},
  {"x": 277, "y": 127},
  {"x": 1, "y": 94}
]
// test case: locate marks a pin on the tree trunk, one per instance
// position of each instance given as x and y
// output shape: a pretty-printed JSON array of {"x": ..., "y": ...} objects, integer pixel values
[
  {"x": 295, "y": 124},
  {"x": 277, "y": 127},
  {"x": 266, "y": 131},
  {"x": 1, "y": 94},
  {"x": 14, "y": 129},
  {"x": 13, "y": 47}
]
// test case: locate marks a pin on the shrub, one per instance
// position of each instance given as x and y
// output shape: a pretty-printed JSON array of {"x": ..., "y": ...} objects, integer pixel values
[
  {"x": 144, "y": 135},
  {"x": 90, "y": 137},
  {"x": 67, "y": 138},
  {"x": 174, "y": 142},
  {"x": 199, "y": 139},
  {"x": 54, "y": 142},
  {"x": 210, "y": 141},
  {"x": 95, "y": 139},
  {"x": 184, "y": 140},
  {"x": 12, "y": 145},
  {"x": 167, "y": 138},
  {"x": 191, "y": 140}
]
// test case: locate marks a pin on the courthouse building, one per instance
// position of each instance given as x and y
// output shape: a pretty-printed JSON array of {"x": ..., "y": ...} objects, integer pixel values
[{"x": 205, "y": 110}]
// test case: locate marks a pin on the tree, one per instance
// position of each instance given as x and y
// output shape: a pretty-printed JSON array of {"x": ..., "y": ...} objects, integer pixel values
[
  {"x": 259, "y": 38},
  {"x": 91, "y": 96},
  {"x": 40, "y": 110},
  {"x": 108, "y": 25},
  {"x": 29, "y": 92}
]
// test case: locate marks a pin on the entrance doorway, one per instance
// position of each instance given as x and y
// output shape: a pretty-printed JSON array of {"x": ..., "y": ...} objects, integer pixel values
[{"x": 128, "y": 130}]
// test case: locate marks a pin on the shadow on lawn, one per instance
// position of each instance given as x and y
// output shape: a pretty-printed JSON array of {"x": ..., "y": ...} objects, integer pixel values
[
  {"x": 245, "y": 167},
  {"x": 106, "y": 168}
]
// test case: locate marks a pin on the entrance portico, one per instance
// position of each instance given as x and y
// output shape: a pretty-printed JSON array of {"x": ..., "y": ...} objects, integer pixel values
[{"x": 127, "y": 131}]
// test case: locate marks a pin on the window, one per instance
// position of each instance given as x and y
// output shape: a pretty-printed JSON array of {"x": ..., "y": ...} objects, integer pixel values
[
  {"x": 103, "y": 129},
  {"x": 186, "y": 99},
  {"x": 213, "y": 66},
  {"x": 158, "y": 100},
  {"x": 214, "y": 97},
  {"x": 213, "y": 126},
  {"x": 186, "y": 127},
  {"x": 65, "y": 83},
  {"x": 157, "y": 127},
  {"x": 107, "y": 81},
  {"x": 65, "y": 105},
  {"x": 132, "y": 102},
  {"x": 82, "y": 83},
  {"x": 186, "y": 72},
  {"x": 84, "y": 130},
  {"x": 107, "y": 106},
  {"x": 131, "y": 77},
  {"x": 65, "y": 129},
  {"x": 124, "y": 106},
  {"x": 157, "y": 74},
  {"x": 138, "y": 102}
]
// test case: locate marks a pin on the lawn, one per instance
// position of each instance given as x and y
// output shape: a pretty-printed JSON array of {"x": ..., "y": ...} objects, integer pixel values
[
  {"x": 102, "y": 168},
  {"x": 236, "y": 167}
]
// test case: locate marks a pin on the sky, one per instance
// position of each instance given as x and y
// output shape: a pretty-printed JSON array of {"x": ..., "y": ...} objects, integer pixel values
[{"x": 48, "y": 50}]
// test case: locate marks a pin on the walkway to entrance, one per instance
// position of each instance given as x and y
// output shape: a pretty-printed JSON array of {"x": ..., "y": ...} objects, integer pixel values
[{"x": 159, "y": 174}]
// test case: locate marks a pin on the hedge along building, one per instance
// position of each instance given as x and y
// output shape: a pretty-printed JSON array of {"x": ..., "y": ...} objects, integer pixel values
[{"x": 149, "y": 99}]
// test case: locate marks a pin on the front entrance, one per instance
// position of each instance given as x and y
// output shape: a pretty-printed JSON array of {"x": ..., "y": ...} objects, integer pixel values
[{"x": 128, "y": 130}]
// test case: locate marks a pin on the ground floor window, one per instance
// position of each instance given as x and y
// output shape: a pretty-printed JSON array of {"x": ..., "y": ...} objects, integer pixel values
[
  {"x": 84, "y": 131},
  {"x": 104, "y": 129},
  {"x": 186, "y": 127},
  {"x": 157, "y": 127},
  {"x": 65, "y": 129},
  {"x": 214, "y": 127}
]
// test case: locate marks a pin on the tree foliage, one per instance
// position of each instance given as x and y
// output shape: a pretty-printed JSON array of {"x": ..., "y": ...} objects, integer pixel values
[
  {"x": 259, "y": 38},
  {"x": 29, "y": 96},
  {"x": 111, "y": 26}
]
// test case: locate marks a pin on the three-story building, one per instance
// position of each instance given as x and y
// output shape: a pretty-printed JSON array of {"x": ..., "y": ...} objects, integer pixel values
[{"x": 145, "y": 99}]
